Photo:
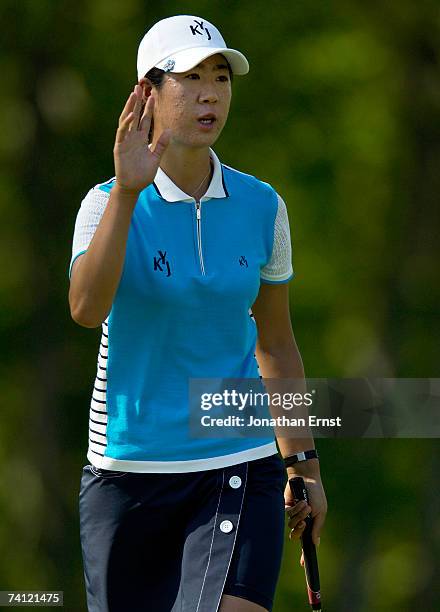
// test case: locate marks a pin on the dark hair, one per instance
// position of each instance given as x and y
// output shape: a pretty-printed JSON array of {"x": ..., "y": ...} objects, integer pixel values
[{"x": 155, "y": 76}]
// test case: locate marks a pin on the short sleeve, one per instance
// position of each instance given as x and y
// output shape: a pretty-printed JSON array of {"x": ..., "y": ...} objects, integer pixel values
[
  {"x": 279, "y": 268},
  {"x": 87, "y": 220}
]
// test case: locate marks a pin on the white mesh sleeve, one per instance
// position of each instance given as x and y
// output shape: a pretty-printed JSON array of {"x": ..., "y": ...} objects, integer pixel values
[
  {"x": 87, "y": 220},
  {"x": 279, "y": 268}
]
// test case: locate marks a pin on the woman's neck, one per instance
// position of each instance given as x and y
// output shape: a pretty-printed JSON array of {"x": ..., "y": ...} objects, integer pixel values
[{"x": 190, "y": 169}]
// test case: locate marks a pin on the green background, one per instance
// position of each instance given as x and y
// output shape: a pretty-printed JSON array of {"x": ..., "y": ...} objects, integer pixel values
[{"x": 341, "y": 114}]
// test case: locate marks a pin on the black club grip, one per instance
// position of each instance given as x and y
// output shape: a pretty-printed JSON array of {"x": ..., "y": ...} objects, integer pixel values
[{"x": 299, "y": 492}]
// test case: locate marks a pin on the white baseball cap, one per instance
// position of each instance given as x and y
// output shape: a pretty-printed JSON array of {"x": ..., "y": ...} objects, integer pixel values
[{"x": 179, "y": 43}]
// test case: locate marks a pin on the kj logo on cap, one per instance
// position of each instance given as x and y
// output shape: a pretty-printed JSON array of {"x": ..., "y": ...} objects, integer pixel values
[{"x": 179, "y": 43}]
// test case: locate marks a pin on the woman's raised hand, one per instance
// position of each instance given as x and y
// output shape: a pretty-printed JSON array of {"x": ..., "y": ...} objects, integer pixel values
[{"x": 135, "y": 164}]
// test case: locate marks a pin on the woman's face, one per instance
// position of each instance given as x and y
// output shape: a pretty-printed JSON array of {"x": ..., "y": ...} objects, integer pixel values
[{"x": 185, "y": 97}]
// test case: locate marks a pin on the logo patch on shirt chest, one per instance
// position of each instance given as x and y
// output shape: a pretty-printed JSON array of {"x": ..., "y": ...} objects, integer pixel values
[{"x": 161, "y": 264}]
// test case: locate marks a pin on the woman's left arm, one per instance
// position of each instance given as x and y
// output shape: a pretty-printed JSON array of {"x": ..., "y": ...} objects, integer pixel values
[{"x": 278, "y": 357}]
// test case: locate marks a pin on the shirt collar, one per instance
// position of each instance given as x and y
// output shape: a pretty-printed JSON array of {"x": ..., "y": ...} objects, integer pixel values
[{"x": 170, "y": 192}]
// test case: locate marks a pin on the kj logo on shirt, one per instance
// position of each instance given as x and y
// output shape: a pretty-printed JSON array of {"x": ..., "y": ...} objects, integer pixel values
[{"x": 161, "y": 264}]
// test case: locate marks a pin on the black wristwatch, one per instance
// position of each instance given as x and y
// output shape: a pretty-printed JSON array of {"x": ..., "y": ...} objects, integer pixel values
[{"x": 302, "y": 456}]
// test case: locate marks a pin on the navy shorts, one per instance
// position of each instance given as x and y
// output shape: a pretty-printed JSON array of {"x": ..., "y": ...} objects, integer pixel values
[{"x": 177, "y": 542}]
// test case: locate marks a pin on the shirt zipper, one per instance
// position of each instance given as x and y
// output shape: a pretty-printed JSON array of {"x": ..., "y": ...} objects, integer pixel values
[{"x": 199, "y": 234}]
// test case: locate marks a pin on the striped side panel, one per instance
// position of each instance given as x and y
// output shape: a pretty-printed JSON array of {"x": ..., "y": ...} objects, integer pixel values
[
  {"x": 98, "y": 404},
  {"x": 253, "y": 319}
]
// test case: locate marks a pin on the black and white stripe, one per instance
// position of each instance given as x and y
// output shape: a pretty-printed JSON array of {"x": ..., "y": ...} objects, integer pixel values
[{"x": 98, "y": 404}]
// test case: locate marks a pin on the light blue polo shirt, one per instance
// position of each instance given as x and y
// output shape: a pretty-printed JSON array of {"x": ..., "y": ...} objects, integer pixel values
[{"x": 182, "y": 310}]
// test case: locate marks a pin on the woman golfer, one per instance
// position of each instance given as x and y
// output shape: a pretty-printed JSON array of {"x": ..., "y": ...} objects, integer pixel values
[{"x": 169, "y": 256}]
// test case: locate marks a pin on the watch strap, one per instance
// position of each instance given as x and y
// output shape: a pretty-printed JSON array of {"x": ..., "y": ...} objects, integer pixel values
[{"x": 298, "y": 457}]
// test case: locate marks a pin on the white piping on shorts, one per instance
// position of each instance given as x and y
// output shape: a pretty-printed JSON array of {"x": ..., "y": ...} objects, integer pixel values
[{"x": 212, "y": 541}]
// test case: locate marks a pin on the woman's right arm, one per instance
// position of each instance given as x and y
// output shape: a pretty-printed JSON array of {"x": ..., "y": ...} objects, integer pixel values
[{"x": 96, "y": 274}]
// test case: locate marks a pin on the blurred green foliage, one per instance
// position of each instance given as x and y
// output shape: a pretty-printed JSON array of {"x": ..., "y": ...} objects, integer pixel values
[{"x": 341, "y": 114}]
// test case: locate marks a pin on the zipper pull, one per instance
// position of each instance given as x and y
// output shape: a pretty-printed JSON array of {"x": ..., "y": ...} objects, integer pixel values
[{"x": 198, "y": 214}]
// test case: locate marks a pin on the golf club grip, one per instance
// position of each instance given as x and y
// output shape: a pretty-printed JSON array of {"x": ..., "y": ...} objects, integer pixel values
[{"x": 299, "y": 492}]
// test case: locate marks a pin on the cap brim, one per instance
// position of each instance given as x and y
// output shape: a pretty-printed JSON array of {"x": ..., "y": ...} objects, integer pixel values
[{"x": 188, "y": 58}]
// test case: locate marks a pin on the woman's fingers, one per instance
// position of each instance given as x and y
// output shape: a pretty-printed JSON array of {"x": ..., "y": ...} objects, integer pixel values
[
  {"x": 145, "y": 121},
  {"x": 296, "y": 520},
  {"x": 296, "y": 508},
  {"x": 122, "y": 130},
  {"x": 298, "y": 513},
  {"x": 129, "y": 119},
  {"x": 137, "y": 107},
  {"x": 125, "y": 118},
  {"x": 296, "y": 532},
  {"x": 127, "y": 108}
]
